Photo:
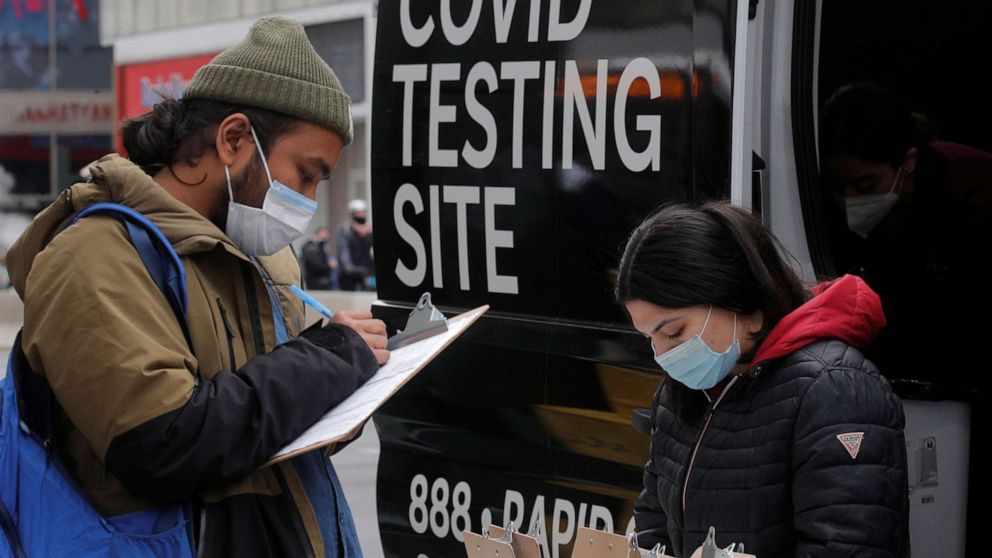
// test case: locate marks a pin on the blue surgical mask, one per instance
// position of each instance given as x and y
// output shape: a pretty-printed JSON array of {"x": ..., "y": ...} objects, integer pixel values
[
  {"x": 283, "y": 217},
  {"x": 695, "y": 364}
]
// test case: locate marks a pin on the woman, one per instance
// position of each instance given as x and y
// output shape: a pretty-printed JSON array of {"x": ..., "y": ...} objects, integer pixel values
[{"x": 770, "y": 425}]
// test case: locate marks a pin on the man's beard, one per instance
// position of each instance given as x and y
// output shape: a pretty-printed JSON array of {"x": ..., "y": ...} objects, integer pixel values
[{"x": 246, "y": 188}]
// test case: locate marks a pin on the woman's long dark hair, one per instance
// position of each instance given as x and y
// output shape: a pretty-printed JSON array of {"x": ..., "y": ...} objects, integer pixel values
[
  {"x": 180, "y": 130},
  {"x": 714, "y": 254}
]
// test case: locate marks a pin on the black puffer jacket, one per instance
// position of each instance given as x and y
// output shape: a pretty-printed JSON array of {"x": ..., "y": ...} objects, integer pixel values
[{"x": 802, "y": 456}]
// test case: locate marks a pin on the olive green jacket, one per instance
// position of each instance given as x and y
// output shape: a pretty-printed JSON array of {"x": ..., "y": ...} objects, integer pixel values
[{"x": 136, "y": 429}]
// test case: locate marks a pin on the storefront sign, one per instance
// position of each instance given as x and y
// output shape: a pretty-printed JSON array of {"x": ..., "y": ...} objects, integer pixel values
[{"x": 45, "y": 112}]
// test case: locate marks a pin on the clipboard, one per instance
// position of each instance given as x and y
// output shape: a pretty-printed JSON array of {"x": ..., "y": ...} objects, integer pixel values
[
  {"x": 345, "y": 420},
  {"x": 524, "y": 545},
  {"x": 478, "y": 546},
  {"x": 590, "y": 543}
]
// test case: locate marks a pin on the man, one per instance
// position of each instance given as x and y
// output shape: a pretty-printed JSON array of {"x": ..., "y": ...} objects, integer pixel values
[
  {"x": 229, "y": 174},
  {"x": 355, "y": 248},
  {"x": 920, "y": 214},
  {"x": 317, "y": 272}
]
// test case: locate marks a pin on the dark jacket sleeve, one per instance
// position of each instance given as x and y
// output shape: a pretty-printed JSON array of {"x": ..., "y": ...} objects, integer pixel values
[
  {"x": 850, "y": 502},
  {"x": 650, "y": 520},
  {"x": 236, "y": 421}
]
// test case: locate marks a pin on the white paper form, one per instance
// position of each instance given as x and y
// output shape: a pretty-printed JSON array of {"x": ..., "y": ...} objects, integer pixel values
[{"x": 343, "y": 421}]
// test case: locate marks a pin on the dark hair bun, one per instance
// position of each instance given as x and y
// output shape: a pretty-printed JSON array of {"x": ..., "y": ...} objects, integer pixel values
[{"x": 151, "y": 139}]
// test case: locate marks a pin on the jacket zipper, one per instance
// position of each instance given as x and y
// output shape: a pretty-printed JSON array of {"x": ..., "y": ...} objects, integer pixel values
[
  {"x": 253, "y": 314},
  {"x": 699, "y": 440},
  {"x": 230, "y": 334}
]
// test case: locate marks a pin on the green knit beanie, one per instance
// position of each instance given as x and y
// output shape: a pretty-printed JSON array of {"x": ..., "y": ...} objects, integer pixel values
[{"x": 276, "y": 68}]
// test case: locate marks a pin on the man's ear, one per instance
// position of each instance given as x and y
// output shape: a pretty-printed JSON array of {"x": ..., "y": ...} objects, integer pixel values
[{"x": 233, "y": 134}]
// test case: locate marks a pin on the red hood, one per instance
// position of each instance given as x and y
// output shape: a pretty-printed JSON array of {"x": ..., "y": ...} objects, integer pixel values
[{"x": 845, "y": 308}]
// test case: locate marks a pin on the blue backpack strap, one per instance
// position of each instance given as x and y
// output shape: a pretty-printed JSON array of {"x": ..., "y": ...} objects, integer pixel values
[
  {"x": 156, "y": 252},
  {"x": 9, "y": 530},
  {"x": 35, "y": 401}
]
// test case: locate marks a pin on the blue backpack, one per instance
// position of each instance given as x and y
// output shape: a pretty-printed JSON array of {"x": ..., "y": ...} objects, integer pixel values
[{"x": 42, "y": 512}]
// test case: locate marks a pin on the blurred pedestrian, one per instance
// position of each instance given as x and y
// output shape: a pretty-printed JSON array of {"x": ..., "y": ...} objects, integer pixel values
[
  {"x": 316, "y": 264},
  {"x": 357, "y": 267},
  {"x": 769, "y": 424},
  {"x": 229, "y": 174}
]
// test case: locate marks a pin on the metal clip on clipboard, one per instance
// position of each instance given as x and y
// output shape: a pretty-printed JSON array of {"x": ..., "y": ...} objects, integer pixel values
[
  {"x": 709, "y": 549},
  {"x": 524, "y": 545},
  {"x": 424, "y": 321},
  {"x": 484, "y": 546}
]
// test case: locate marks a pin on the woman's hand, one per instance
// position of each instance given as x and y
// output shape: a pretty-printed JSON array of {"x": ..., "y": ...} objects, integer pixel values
[{"x": 372, "y": 331}]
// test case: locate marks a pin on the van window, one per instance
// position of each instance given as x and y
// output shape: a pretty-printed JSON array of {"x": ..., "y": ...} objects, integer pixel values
[{"x": 925, "y": 256}]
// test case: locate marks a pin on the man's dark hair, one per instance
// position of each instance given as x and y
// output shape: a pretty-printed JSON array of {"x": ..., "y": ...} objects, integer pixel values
[
  {"x": 714, "y": 254},
  {"x": 869, "y": 122},
  {"x": 180, "y": 130}
]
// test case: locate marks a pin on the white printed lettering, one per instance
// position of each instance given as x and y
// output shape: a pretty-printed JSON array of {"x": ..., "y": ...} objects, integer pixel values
[
  {"x": 564, "y": 517},
  {"x": 461, "y": 196},
  {"x": 575, "y": 101},
  {"x": 408, "y": 74},
  {"x": 559, "y": 31},
  {"x": 418, "y": 504},
  {"x": 513, "y": 509},
  {"x": 502, "y": 16},
  {"x": 548, "y": 116},
  {"x": 519, "y": 72},
  {"x": 498, "y": 239},
  {"x": 538, "y": 514},
  {"x": 441, "y": 113},
  {"x": 599, "y": 514},
  {"x": 414, "y": 276},
  {"x": 638, "y": 68},
  {"x": 480, "y": 158},
  {"x": 440, "y": 522},
  {"x": 459, "y": 34},
  {"x": 535, "y": 20},
  {"x": 436, "y": 269},
  {"x": 415, "y": 37}
]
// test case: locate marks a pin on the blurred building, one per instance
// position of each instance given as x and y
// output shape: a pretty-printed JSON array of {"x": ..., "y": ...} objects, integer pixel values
[
  {"x": 56, "y": 97},
  {"x": 159, "y": 44},
  {"x": 72, "y": 70}
]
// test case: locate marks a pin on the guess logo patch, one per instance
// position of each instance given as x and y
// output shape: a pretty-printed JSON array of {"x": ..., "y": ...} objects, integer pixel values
[{"x": 852, "y": 442}]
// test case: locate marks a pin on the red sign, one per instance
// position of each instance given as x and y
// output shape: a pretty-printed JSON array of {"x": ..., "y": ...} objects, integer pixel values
[{"x": 141, "y": 85}]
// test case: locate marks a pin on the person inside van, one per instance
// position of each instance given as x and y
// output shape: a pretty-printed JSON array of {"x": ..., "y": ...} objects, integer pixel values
[
  {"x": 919, "y": 215},
  {"x": 769, "y": 424}
]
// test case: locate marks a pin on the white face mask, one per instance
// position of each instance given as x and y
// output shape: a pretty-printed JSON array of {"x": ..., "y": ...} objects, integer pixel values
[
  {"x": 283, "y": 217},
  {"x": 864, "y": 213}
]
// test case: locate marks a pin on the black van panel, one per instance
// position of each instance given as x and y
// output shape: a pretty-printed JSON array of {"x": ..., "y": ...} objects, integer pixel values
[{"x": 528, "y": 416}]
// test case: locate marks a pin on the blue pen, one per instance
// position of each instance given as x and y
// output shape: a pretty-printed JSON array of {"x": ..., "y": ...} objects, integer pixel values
[{"x": 312, "y": 302}]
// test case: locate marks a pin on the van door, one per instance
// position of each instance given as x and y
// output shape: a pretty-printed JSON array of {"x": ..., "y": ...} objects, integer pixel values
[{"x": 921, "y": 263}]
